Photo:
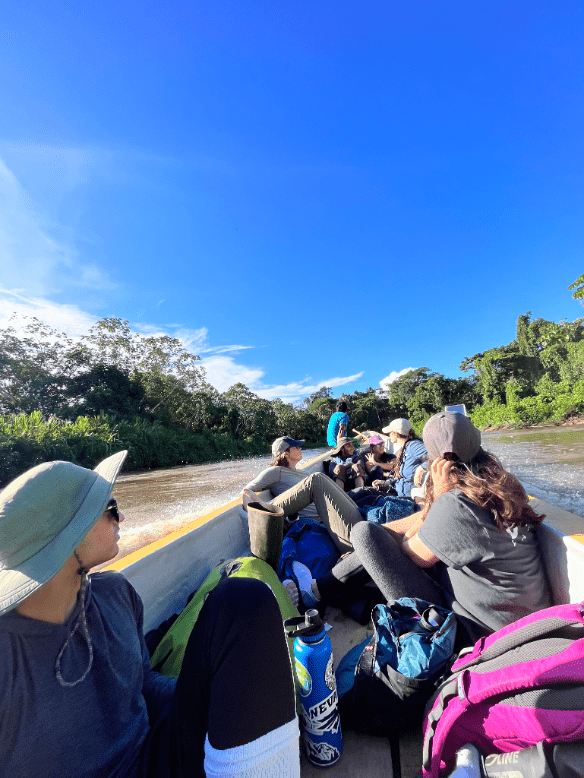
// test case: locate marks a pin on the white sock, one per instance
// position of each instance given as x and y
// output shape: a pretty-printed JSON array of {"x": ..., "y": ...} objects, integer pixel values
[{"x": 274, "y": 754}]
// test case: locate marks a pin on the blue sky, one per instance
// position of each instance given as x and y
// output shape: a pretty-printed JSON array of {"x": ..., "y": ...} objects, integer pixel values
[{"x": 305, "y": 193}]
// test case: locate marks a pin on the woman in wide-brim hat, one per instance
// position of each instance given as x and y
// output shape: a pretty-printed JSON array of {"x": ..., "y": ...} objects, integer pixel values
[{"x": 77, "y": 694}]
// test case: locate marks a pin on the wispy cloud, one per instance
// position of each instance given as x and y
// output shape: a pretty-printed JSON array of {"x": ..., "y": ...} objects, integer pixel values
[
  {"x": 223, "y": 372},
  {"x": 297, "y": 390},
  {"x": 64, "y": 318},
  {"x": 385, "y": 382},
  {"x": 34, "y": 256}
]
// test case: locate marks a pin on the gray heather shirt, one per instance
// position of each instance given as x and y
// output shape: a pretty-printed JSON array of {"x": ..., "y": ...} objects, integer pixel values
[
  {"x": 496, "y": 577},
  {"x": 280, "y": 479},
  {"x": 96, "y": 728}
]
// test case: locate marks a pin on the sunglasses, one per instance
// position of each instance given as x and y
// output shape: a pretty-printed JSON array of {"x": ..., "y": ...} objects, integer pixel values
[{"x": 112, "y": 507}]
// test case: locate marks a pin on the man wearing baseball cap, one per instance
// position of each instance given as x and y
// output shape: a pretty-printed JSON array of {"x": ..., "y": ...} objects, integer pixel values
[{"x": 77, "y": 694}]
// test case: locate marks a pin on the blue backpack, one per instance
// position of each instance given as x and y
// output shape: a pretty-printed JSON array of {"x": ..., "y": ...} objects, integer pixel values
[
  {"x": 385, "y": 682},
  {"x": 308, "y": 542}
]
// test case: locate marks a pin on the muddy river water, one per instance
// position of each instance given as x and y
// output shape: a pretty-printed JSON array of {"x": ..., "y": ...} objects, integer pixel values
[{"x": 548, "y": 461}]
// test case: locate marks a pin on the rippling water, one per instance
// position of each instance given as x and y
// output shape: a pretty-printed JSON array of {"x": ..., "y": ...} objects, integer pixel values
[{"x": 549, "y": 462}]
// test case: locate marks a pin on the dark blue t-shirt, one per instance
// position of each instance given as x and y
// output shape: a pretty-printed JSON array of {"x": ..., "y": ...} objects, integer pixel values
[{"x": 97, "y": 727}]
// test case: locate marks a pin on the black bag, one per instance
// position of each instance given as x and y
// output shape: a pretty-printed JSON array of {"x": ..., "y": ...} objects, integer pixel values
[{"x": 395, "y": 671}]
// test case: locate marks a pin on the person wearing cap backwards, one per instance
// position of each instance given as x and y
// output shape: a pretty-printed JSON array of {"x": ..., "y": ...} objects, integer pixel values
[
  {"x": 473, "y": 547},
  {"x": 376, "y": 461},
  {"x": 77, "y": 694}
]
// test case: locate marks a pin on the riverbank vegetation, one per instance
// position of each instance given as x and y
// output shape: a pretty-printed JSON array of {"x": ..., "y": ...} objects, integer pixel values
[{"x": 112, "y": 389}]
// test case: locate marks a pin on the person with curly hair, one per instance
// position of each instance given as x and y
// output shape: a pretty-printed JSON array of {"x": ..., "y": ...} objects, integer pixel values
[{"x": 473, "y": 548}]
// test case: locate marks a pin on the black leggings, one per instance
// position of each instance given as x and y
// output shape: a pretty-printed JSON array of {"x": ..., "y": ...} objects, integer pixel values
[
  {"x": 235, "y": 684},
  {"x": 378, "y": 556}
]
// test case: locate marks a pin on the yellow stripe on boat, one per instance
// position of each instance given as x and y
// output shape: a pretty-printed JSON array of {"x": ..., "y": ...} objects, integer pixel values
[{"x": 170, "y": 538}]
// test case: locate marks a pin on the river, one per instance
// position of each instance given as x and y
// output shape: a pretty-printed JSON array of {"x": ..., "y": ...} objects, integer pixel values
[{"x": 548, "y": 461}]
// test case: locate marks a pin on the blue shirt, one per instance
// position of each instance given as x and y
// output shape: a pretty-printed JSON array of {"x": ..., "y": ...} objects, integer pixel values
[{"x": 335, "y": 422}]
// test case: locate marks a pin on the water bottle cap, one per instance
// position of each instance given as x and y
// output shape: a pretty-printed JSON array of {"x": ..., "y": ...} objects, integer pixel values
[
  {"x": 312, "y": 618},
  {"x": 310, "y": 625}
]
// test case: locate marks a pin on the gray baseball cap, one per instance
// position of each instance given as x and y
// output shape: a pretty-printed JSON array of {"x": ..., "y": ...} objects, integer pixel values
[
  {"x": 44, "y": 514},
  {"x": 453, "y": 433},
  {"x": 283, "y": 444}
]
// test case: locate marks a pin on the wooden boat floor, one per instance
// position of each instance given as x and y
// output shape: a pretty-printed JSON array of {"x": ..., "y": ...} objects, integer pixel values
[{"x": 363, "y": 756}]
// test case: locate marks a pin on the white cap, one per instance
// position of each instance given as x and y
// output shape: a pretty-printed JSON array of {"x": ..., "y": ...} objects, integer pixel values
[{"x": 401, "y": 426}]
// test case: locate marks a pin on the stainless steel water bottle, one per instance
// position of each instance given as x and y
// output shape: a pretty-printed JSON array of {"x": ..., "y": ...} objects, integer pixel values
[{"x": 317, "y": 689}]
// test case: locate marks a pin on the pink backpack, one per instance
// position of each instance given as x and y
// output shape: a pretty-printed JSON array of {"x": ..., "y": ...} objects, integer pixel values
[{"x": 520, "y": 686}]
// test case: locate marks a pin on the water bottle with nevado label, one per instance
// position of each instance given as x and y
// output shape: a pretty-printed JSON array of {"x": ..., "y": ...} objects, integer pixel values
[{"x": 317, "y": 689}]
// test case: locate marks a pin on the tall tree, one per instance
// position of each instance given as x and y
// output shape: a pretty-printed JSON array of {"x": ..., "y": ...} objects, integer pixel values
[{"x": 578, "y": 287}]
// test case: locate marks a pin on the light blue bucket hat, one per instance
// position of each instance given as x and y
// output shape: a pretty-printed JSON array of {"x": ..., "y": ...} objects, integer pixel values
[{"x": 44, "y": 514}]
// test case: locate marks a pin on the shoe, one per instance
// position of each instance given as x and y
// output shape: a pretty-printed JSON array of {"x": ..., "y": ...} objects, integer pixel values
[
  {"x": 303, "y": 578},
  {"x": 292, "y": 591}
]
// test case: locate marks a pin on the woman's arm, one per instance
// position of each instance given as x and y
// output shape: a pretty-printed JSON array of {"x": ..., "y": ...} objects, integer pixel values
[
  {"x": 264, "y": 480},
  {"x": 418, "y": 552},
  {"x": 411, "y": 544},
  {"x": 402, "y": 526}
]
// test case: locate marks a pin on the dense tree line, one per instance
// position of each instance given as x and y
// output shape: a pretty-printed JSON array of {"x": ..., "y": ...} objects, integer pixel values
[{"x": 114, "y": 388}]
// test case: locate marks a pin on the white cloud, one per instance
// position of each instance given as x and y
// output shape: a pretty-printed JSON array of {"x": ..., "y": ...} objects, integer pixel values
[
  {"x": 385, "y": 382},
  {"x": 32, "y": 256},
  {"x": 65, "y": 318},
  {"x": 223, "y": 372},
  {"x": 296, "y": 390}
]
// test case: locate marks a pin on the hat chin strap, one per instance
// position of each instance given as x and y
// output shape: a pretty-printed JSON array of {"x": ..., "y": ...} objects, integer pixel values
[
  {"x": 82, "y": 618},
  {"x": 83, "y": 570}
]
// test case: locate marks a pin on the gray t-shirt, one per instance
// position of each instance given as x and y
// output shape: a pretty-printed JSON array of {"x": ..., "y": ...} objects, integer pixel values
[
  {"x": 97, "y": 727},
  {"x": 280, "y": 479},
  {"x": 496, "y": 577}
]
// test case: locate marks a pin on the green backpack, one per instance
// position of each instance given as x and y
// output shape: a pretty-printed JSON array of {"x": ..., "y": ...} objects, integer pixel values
[{"x": 168, "y": 655}]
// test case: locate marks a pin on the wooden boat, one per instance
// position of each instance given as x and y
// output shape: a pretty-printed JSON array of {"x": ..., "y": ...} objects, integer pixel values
[{"x": 168, "y": 570}]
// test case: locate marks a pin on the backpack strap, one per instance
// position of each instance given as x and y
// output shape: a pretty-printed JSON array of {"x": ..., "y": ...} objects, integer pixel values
[
  {"x": 447, "y": 692},
  {"x": 528, "y": 632}
]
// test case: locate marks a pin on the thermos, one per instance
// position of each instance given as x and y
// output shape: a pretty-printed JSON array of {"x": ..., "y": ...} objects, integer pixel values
[{"x": 317, "y": 689}]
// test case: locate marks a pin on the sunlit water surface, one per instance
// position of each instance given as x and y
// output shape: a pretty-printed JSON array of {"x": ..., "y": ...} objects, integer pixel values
[{"x": 549, "y": 462}]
